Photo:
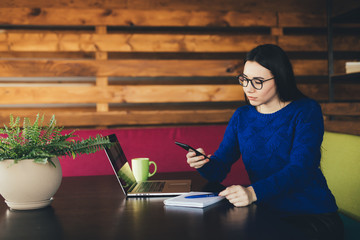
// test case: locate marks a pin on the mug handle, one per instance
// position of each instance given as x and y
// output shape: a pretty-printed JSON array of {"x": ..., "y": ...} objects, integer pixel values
[{"x": 155, "y": 168}]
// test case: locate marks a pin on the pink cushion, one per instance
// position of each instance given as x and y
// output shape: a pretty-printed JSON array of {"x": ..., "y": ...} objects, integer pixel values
[{"x": 156, "y": 143}]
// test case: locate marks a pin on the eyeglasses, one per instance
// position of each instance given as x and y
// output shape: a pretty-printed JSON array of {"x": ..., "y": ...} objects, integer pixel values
[{"x": 256, "y": 82}]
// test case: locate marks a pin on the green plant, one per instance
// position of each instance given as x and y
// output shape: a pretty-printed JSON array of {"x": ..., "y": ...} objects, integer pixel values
[{"x": 41, "y": 143}]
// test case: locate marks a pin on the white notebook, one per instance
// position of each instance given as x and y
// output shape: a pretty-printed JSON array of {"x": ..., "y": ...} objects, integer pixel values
[{"x": 193, "y": 202}]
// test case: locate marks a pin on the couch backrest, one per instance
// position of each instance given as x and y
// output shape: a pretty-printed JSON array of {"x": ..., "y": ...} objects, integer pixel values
[
  {"x": 157, "y": 143},
  {"x": 340, "y": 164}
]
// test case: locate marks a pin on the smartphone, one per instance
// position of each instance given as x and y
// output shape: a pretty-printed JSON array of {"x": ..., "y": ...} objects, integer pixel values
[{"x": 187, "y": 148}]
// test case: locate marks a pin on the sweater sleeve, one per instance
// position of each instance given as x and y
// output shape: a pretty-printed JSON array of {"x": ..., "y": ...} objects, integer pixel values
[
  {"x": 228, "y": 153},
  {"x": 304, "y": 157}
]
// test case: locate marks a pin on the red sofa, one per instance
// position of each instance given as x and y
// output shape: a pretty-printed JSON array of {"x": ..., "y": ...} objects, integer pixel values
[{"x": 157, "y": 143}]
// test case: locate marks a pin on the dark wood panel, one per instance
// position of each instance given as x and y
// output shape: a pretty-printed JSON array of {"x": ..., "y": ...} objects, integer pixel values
[
  {"x": 348, "y": 127},
  {"x": 301, "y": 19},
  {"x": 343, "y": 92},
  {"x": 347, "y": 92},
  {"x": 346, "y": 117},
  {"x": 316, "y": 91},
  {"x": 342, "y": 6},
  {"x": 303, "y": 43},
  {"x": 341, "y": 109}
]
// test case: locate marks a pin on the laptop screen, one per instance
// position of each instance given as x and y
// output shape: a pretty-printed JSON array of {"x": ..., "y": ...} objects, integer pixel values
[{"x": 120, "y": 164}]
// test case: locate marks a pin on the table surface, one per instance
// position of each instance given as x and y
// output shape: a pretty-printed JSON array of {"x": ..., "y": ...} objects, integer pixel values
[{"x": 94, "y": 207}]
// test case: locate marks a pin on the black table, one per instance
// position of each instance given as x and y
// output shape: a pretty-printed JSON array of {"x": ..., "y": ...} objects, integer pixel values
[{"x": 95, "y": 208}]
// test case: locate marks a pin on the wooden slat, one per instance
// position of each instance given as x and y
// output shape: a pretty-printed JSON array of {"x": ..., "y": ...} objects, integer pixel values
[
  {"x": 310, "y": 67},
  {"x": 301, "y": 19},
  {"x": 343, "y": 92},
  {"x": 117, "y": 118},
  {"x": 348, "y": 127},
  {"x": 318, "y": 43},
  {"x": 87, "y": 42},
  {"x": 147, "y": 68},
  {"x": 67, "y": 42},
  {"x": 305, "y": 67},
  {"x": 199, "y": 5},
  {"x": 319, "y": 92},
  {"x": 347, "y": 43},
  {"x": 243, "y": 5},
  {"x": 133, "y": 17},
  {"x": 47, "y": 111},
  {"x": 303, "y": 43},
  {"x": 347, "y": 92},
  {"x": 341, "y": 109},
  {"x": 121, "y": 94},
  {"x": 154, "y": 94}
]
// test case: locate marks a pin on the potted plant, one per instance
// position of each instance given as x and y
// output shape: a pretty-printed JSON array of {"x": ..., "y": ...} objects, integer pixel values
[{"x": 30, "y": 172}]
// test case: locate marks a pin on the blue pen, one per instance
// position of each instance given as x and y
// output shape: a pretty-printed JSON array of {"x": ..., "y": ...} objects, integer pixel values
[{"x": 203, "y": 195}]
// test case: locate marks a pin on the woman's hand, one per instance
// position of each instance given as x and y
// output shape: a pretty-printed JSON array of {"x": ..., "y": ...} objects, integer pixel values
[
  {"x": 239, "y": 196},
  {"x": 196, "y": 161}
]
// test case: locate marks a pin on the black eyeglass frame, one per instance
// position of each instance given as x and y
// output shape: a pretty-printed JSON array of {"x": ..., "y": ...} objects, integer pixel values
[{"x": 251, "y": 80}]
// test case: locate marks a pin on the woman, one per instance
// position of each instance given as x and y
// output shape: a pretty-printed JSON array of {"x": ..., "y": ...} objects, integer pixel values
[{"x": 279, "y": 135}]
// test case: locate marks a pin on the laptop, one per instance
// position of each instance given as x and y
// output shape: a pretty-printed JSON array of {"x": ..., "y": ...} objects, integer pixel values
[{"x": 127, "y": 181}]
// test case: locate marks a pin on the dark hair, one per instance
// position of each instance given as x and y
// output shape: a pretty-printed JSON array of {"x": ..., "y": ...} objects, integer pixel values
[{"x": 273, "y": 58}]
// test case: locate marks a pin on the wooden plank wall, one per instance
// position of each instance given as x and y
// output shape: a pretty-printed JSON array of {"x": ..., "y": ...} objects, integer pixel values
[{"x": 126, "y": 63}]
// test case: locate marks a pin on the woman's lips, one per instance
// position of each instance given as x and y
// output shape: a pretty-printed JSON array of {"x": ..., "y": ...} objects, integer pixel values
[{"x": 251, "y": 98}]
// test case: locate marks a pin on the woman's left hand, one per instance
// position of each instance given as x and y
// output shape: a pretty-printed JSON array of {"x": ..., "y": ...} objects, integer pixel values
[{"x": 239, "y": 196}]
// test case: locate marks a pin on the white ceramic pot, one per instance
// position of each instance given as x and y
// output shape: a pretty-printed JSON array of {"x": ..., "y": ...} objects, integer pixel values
[{"x": 27, "y": 185}]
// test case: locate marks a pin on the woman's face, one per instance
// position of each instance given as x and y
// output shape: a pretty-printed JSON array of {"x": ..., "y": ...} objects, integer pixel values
[{"x": 265, "y": 98}]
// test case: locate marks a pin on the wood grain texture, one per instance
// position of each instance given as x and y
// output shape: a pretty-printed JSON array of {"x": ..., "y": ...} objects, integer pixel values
[
  {"x": 148, "y": 42},
  {"x": 148, "y": 68},
  {"x": 348, "y": 127},
  {"x": 123, "y": 42},
  {"x": 121, "y": 94},
  {"x": 199, "y": 5},
  {"x": 341, "y": 109},
  {"x": 144, "y": 68},
  {"x": 119, "y": 118},
  {"x": 126, "y": 17},
  {"x": 301, "y": 19}
]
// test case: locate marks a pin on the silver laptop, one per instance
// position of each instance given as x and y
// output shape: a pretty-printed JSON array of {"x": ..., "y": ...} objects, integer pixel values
[{"x": 127, "y": 181}]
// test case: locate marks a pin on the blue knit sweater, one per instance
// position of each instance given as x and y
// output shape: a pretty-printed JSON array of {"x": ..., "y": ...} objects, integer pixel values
[{"x": 281, "y": 153}]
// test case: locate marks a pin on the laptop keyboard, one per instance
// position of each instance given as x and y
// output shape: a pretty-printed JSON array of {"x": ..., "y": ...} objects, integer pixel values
[{"x": 150, "y": 186}]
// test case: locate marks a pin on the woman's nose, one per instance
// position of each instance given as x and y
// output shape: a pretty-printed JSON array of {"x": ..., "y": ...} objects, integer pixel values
[{"x": 249, "y": 88}]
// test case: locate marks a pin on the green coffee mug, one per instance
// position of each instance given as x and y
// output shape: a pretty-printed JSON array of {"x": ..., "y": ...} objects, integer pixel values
[{"x": 140, "y": 168}]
